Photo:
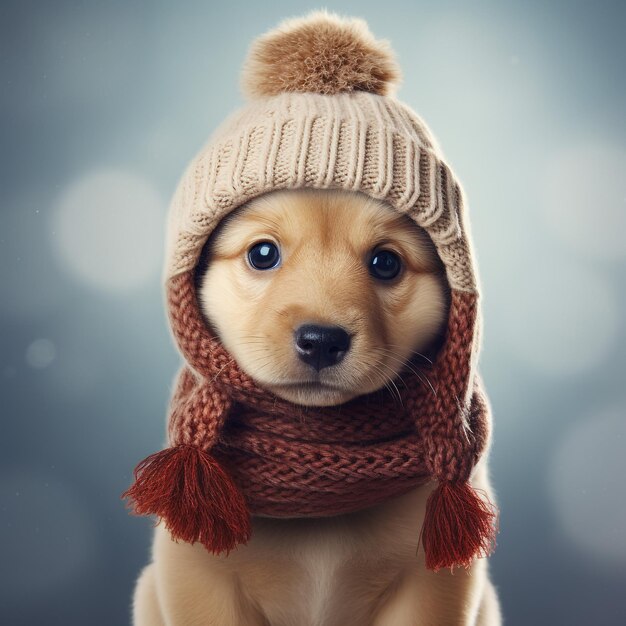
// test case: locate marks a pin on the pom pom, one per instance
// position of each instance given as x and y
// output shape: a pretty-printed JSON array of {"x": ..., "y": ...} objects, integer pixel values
[
  {"x": 321, "y": 53},
  {"x": 193, "y": 495},
  {"x": 458, "y": 526}
]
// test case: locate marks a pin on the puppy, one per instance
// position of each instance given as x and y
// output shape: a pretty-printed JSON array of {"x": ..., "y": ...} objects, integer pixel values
[{"x": 321, "y": 296}]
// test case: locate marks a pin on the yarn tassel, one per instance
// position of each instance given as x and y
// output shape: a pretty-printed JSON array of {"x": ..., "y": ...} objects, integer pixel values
[
  {"x": 458, "y": 526},
  {"x": 195, "y": 497}
]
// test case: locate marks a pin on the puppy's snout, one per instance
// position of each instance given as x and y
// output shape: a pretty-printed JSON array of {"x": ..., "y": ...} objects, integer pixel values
[{"x": 321, "y": 346}]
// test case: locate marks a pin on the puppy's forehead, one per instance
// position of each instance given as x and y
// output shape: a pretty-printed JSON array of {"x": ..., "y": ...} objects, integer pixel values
[
  {"x": 347, "y": 215},
  {"x": 325, "y": 218},
  {"x": 333, "y": 202}
]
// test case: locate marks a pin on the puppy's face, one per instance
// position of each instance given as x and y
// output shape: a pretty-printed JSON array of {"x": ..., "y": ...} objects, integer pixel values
[{"x": 322, "y": 295}]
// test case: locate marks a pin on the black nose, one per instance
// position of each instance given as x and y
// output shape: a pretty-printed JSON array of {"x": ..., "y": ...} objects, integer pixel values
[{"x": 321, "y": 346}]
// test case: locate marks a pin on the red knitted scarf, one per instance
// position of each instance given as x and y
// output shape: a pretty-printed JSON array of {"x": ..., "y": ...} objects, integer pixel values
[{"x": 238, "y": 450}]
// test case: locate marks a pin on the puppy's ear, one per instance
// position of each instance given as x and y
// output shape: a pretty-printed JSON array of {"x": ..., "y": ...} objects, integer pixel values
[
  {"x": 432, "y": 349},
  {"x": 204, "y": 259},
  {"x": 202, "y": 265}
]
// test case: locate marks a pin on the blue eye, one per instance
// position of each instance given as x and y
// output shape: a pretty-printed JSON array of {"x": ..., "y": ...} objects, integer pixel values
[
  {"x": 264, "y": 255},
  {"x": 385, "y": 265}
]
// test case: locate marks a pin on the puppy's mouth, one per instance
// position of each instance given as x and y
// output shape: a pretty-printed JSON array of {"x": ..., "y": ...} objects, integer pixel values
[
  {"x": 313, "y": 392},
  {"x": 313, "y": 385}
]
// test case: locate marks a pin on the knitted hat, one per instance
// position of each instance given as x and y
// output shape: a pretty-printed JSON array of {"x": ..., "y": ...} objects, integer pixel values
[{"x": 320, "y": 113}]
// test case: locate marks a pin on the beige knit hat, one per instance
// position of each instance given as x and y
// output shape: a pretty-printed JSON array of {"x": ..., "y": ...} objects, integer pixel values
[{"x": 321, "y": 113}]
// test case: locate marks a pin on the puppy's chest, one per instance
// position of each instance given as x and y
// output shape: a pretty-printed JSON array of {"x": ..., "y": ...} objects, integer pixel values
[{"x": 328, "y": 575}]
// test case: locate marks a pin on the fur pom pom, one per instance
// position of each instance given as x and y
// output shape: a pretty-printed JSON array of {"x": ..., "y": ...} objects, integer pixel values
[
  {"x": 458, "y": 526},
  {"x": 193, "y": 495},
  {"x": 320, "y": 53}
]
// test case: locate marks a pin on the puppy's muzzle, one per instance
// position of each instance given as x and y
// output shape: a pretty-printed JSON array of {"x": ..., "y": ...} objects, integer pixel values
[{"x": 321, "y": 346}]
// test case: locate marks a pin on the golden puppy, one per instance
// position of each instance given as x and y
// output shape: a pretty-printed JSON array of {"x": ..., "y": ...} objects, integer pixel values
[{"x": 321, "y": 296}]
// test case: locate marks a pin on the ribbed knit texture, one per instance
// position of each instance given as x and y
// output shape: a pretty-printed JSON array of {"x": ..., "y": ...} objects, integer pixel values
[{"x": 355, "y": 141}]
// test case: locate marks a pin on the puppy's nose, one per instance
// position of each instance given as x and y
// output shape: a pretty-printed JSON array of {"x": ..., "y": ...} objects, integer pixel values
[{"x": 321, "y": 346}]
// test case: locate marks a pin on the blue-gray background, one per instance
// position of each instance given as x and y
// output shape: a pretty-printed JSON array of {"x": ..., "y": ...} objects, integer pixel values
[{"x": 102, "y": 105}]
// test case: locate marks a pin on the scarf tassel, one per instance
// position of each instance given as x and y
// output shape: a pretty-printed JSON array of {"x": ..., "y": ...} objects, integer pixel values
[
  {"x": 458, "y": 526},
  {"x": 195, "y": 497}
]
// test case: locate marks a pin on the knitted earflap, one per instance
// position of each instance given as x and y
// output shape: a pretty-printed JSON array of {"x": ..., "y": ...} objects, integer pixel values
[
  {"x": 184, "y": 485},
  {"x": 459, "y": 525}
]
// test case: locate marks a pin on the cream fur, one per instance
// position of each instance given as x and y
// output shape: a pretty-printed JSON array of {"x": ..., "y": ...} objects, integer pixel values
[{"x": 359, "y": 569}]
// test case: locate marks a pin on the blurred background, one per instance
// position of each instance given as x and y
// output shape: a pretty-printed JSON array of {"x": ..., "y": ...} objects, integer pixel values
[{"x": 103, "y": 104}]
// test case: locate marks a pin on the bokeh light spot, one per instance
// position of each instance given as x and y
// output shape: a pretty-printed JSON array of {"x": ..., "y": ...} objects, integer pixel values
[
  {"x": 585, "y": 199},
  {"x": 40, "y": 353},
  {"x": 560, "y": 317},
  {"x": 586, "y": 484},
  {"x": 108, "y": 230}
]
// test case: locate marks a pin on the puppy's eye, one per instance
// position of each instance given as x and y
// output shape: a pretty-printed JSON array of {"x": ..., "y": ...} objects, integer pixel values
[
  {"x": 264, "y": 255},
  {"x": 385, "y": 265}
]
